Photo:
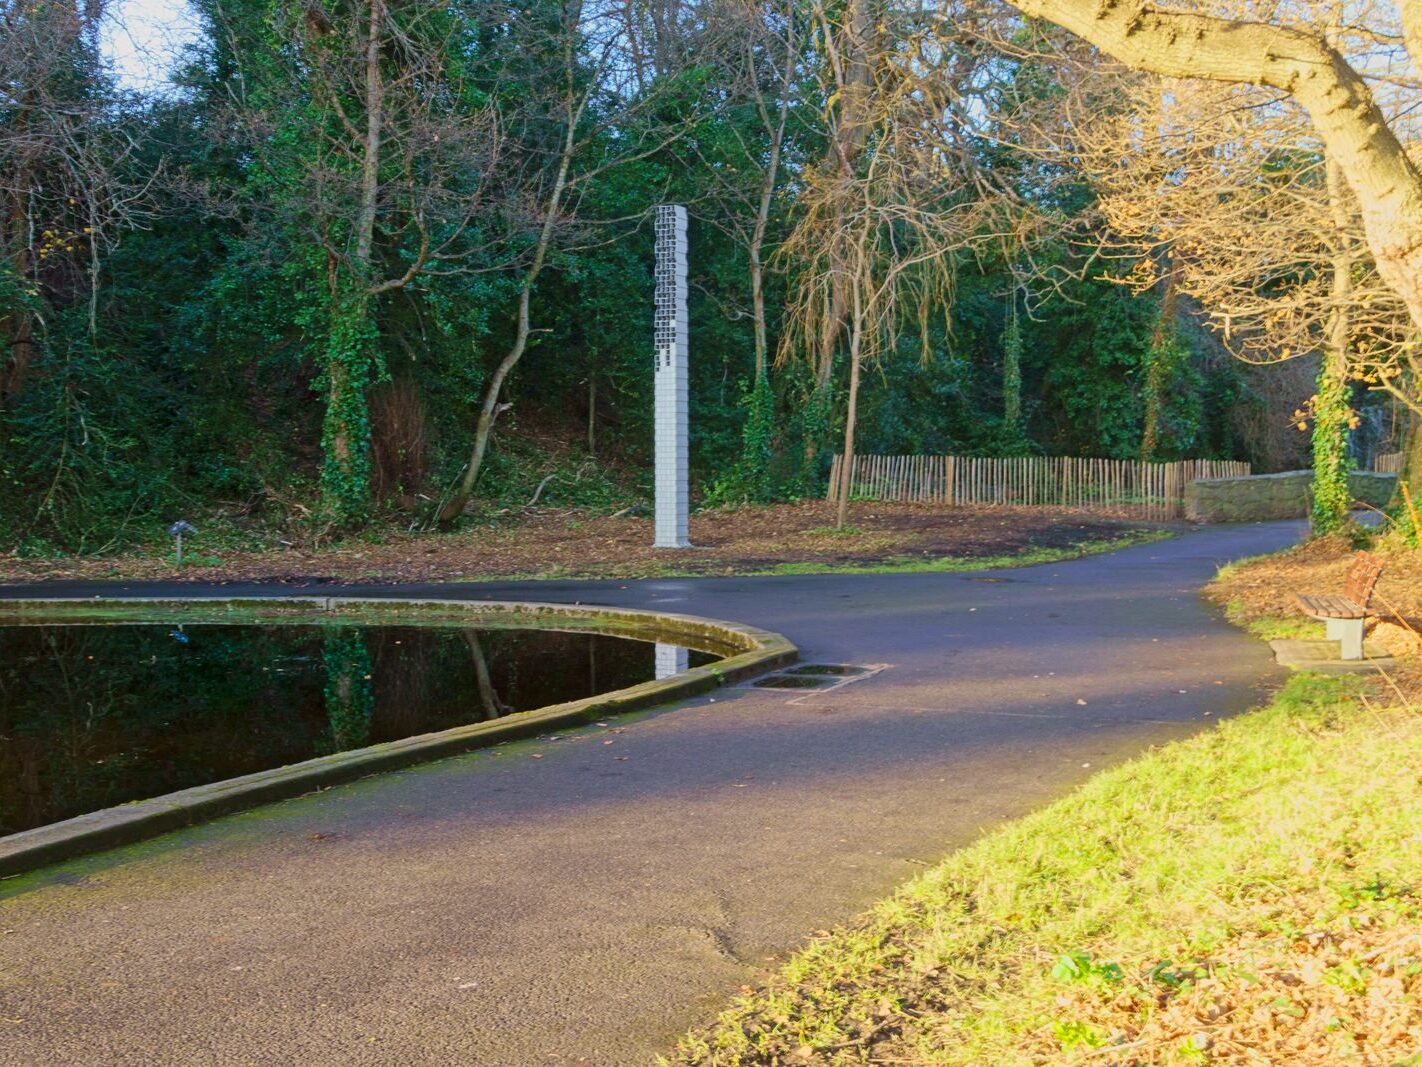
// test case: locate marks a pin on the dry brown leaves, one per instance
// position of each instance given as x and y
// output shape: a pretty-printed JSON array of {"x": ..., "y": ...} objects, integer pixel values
[
  {"x": 569, "y": 543},
  {"x": 1266, "y": 586},
  {"x": 1345, "y": 995}
]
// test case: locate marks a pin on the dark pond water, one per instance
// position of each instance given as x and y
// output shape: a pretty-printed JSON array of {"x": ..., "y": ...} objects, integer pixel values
[{"x": 92, "y": 716}]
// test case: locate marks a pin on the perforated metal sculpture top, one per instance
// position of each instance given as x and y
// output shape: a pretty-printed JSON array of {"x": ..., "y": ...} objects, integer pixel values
[{"x": 670, "y": 228}]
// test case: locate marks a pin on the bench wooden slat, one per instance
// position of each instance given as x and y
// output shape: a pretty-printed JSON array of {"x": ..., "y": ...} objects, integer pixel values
[
  {"x": 1363, "y": 577},
  {"x": 1329, "y": 606},
  {"x": 1343, "y": 604}
]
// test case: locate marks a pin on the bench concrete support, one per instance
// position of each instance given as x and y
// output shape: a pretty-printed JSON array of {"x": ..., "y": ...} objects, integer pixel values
[{"x": 1349, "y": 634}]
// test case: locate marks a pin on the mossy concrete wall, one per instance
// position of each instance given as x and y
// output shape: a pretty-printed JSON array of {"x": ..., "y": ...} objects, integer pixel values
[{"x": 1274, "y": 496}]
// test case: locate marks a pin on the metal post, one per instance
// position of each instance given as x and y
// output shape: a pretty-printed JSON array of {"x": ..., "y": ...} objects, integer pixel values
[{"x": 670, "y": 337}]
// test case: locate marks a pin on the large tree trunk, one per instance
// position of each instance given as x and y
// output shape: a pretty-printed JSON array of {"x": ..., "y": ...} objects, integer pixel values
[
  {"x": 1354, "y": 131},
  {"x": 851, "y": 416}
]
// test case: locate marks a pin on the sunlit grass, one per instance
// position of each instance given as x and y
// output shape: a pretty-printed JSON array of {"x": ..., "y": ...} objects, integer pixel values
[{"x": 1271, "y": 819}]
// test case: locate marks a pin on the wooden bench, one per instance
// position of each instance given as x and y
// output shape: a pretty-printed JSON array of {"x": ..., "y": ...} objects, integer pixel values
[{"x": 1344, "y": 616}]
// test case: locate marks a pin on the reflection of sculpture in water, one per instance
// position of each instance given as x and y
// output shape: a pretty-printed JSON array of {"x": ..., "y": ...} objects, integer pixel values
[
  {"x": 349, "y": 693},
  {"x": 492, "y": 706},
  {"x": 671, "y": 659}
]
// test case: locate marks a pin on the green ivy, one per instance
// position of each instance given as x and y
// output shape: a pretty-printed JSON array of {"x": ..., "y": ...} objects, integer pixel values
[
  {"x": 1012, "y": 371},
  {"x": 350, "y": 358},
  {"x": 816, "y": 424},
  {"x": 1332, "y": 414},
  {"x": 751, "y": 480}
]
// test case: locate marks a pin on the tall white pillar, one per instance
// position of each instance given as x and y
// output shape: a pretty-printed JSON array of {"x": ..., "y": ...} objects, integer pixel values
[{"x": 670, "y": 335}]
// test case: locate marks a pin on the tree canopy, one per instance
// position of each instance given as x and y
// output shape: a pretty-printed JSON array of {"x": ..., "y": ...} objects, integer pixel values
[{"x": 388, "y": 261}]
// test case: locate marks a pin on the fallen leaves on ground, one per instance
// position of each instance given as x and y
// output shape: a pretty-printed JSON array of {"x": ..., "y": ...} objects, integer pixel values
[
  {"x": 1350, "y": 992},
  {"x": 554, "y": 542}
]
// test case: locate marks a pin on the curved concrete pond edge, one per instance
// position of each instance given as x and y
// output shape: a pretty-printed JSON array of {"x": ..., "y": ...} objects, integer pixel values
[{"x": 752, "y": 651}]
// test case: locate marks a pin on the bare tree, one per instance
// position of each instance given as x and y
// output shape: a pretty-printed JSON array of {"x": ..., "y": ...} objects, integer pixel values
[
  {"x": 1231, "y": 187},
  {"x": 62, "y": 150},
  {"x": 603, "y": 105},
  {"x": 885, "y": 221},
  {"x": 1267, "y": 47}
]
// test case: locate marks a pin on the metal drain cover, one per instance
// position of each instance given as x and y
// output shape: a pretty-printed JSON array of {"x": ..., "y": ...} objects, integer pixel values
[
  {"x": 792, "y": 681},
  {"x": 818, "y": 677}
]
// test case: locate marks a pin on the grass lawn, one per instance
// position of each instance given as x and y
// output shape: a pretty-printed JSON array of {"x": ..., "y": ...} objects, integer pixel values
[{"x": 1252, "y": 895}]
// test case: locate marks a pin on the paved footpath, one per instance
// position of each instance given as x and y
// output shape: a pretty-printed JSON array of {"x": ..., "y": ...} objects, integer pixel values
[{"x": 588, "y": 906}]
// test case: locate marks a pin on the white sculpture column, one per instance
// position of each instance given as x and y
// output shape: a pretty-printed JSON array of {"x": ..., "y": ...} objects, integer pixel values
[{"x": 670, "y": 335}]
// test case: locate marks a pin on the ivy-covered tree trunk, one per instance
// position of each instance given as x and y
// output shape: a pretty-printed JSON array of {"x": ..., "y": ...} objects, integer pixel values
[
  {"x": 345, "y": 431},
  {"x": 1331, "y": 417},
  {"x": 1160, "y": 365},
  {"x": 351, "y": 342},
  {"x": 1012, "y": 372},
  {"x": 1407, "y": 500},
  {"x": 1332, "y": 410}
]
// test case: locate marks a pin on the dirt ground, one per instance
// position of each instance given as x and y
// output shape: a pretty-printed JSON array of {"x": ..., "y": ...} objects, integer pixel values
[
  {"x": 568, "y": 543},
  {"x": 1265, "y": 587}
]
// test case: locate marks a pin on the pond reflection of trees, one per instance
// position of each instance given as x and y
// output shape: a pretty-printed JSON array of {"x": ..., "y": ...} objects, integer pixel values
[{"x": 92, "y": 716}]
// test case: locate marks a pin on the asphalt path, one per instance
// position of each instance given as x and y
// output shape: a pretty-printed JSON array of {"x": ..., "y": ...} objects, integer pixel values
[{"x": 589, "y": 905}]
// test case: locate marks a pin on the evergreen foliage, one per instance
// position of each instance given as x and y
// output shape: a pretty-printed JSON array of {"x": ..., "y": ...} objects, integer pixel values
[{"x": 235, "y": 345}]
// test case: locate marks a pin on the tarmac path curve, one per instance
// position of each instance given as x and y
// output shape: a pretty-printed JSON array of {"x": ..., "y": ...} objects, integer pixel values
[{"x": 588, "y": 906}]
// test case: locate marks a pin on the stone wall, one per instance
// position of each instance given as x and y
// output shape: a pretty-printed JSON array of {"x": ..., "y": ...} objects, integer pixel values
[{"x": 1273, "y": 496}]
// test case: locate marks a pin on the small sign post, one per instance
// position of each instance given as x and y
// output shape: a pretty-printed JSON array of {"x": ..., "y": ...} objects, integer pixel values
[{"x": 176, "y": 531}]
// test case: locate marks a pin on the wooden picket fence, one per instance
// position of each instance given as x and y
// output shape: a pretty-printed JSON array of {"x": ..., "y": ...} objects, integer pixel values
[
  {"x": 1388, "y": 463},
  {"x": 1147, "y": 490}
]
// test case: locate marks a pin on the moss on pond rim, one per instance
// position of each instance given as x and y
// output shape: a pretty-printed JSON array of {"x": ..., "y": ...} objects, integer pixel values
[{"x": 743, "y": 650}]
